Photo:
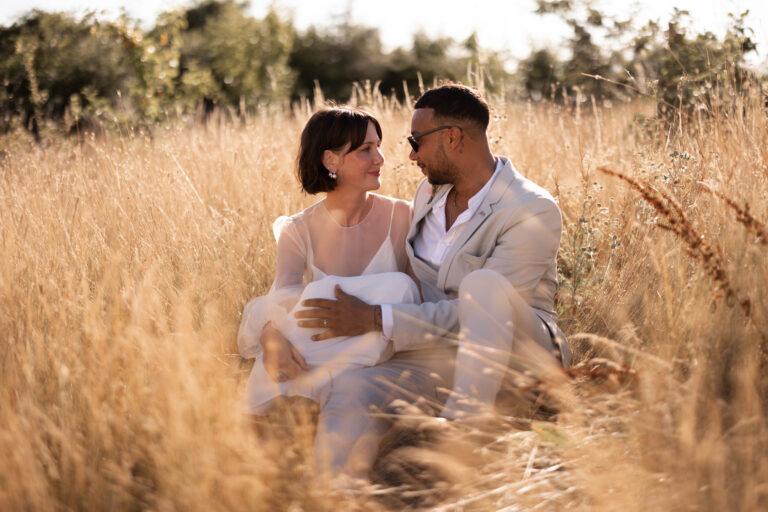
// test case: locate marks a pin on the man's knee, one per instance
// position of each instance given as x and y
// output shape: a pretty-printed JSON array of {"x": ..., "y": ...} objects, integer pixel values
[
  {"x": 353, "y": 391},
  {"x": 479, "y": 282},
  {"x": 488, "y": 290}
]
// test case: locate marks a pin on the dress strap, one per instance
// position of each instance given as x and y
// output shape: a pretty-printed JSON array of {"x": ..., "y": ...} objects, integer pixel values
[{"x": 391, "y": 220}]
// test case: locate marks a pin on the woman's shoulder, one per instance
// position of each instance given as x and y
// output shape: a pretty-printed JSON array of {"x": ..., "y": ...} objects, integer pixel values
[
  {"x": 398, "y": 213},
  {"x": 301, "y": 216},
  {"x": 295, "y": 221},
  {"x": 397, "y": 204}
]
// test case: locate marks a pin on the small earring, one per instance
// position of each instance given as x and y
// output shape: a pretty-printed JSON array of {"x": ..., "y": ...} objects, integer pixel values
[{"x": 332, "y": 175}]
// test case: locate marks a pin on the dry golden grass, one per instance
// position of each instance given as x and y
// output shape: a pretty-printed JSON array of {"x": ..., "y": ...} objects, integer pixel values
[{"x": 127, "y": 260}]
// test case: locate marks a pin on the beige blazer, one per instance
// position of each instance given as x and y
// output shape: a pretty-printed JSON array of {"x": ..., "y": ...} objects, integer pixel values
[{"x": 515, "y": 231}]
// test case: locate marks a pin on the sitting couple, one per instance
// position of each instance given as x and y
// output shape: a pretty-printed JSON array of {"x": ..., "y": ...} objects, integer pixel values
[{"x": 375, "y": 299}]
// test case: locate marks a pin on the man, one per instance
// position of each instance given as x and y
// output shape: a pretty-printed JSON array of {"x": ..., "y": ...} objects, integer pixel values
[{"x": 483, "y": 244}]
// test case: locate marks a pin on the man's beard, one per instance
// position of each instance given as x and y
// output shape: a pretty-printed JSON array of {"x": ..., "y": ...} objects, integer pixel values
[
  {"x": 444, "y": 173},
  {"x": 438, "y": 178}
]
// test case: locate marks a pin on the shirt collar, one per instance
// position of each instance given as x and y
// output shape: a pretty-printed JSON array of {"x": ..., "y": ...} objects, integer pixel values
[{"x": 474, "y": 202}]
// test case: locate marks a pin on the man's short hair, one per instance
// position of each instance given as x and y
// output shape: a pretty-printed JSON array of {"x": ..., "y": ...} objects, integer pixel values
[{"x": 458, "y": 102}]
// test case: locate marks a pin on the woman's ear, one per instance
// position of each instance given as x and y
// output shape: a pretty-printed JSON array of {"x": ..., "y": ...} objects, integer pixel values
[{"x": 331, "y": 160}]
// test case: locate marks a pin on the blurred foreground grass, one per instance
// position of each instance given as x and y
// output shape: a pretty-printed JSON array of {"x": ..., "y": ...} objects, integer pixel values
[{"x": 127, "y": 260}]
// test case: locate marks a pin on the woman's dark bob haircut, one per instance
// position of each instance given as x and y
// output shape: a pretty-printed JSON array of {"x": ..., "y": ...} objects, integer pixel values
[{"x": 330, "y": 128}]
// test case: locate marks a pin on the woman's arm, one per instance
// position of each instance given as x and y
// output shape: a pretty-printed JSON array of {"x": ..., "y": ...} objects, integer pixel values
[
  {"x": 291, "y": 253},
  {"x": 280, "y": 358},
  {"x": 401, "y": 223},
  {"x": 257, "y": 336}
]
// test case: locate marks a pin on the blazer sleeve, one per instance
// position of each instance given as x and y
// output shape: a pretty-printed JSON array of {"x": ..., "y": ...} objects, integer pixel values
[
  {"x": 420, "y": 325},
  {"x": 524, "y": 249}
]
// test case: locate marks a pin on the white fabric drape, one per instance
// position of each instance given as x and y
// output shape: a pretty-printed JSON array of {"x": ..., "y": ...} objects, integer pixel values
[{"x": 313, "y": 248}]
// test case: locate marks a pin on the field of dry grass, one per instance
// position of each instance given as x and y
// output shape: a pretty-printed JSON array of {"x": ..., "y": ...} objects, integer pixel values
[{"x": 127, "y": 260}]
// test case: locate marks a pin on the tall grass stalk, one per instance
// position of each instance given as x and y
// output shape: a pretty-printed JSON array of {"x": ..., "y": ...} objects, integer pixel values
[{"x": 127, "y": 260}]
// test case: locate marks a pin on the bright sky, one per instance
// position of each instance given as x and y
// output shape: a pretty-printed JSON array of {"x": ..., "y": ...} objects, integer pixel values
[{"x": 506, "y": 25}]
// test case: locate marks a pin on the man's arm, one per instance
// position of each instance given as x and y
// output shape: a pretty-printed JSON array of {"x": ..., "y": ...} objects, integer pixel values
[
  {"x": 345, "y": 316},
  {"x": 524, "y": 251}
]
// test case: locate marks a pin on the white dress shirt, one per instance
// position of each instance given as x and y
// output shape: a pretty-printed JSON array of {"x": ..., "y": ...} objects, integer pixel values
[{"x": 433, "y": 241}]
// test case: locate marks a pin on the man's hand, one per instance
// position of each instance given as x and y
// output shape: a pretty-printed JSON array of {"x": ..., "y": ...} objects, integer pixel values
[
  {"x": 346, "y": 316},
  {"x": 281, "y": 359}
]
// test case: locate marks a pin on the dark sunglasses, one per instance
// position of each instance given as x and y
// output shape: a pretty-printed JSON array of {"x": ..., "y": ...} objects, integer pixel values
[{"x": 412, "y": 139}]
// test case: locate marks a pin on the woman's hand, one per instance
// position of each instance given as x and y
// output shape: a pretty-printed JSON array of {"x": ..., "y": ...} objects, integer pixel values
[{"x": 280, "y": 358}]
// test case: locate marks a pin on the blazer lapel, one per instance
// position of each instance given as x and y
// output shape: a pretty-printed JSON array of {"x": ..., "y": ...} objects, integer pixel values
[
  {"x": 419, "y": 215},
  {"x": 498, "y": 188}
]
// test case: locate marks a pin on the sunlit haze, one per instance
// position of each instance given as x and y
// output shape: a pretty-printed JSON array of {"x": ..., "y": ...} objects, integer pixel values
[{"x": 507, "y": 26}]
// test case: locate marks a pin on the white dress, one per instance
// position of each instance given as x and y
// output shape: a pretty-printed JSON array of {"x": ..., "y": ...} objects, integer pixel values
[{"x": 369, "y": 267}]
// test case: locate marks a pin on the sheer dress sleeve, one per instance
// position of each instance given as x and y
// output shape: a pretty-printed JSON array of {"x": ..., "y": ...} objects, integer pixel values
[
  {"x": 401, "y": 224},
  {"x": 291, "y": 253},
  {"x": 285, "y": 290}
]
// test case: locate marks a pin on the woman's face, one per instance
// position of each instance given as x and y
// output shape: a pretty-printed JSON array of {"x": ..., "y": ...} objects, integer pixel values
[{"x": 360, "y": 168}]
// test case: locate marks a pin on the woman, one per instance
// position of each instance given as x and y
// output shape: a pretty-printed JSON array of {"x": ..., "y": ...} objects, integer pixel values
[{"x": 352, "y": 238}]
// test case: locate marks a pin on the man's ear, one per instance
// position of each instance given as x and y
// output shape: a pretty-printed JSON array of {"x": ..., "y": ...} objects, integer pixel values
[
  {"x": 331, "y": 160},
  {"x": 455, "y": 135}
]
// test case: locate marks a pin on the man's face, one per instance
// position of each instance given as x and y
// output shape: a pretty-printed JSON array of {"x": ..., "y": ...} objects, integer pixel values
[{"x": 431, "y": 157}]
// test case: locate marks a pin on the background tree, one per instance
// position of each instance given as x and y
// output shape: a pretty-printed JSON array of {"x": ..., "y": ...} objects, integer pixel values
[
  {"x": 56, "y": 70},
  {"x": 683, "y": 71},
  {"x": 540, "y": 74},
  {"x": 230, "y": 58},
  {"x": 594, "y": 46},
  {"x": 694, "y": 72},
  {"x": 336, "y": 57},
  {"x": 53, "y": 66}
]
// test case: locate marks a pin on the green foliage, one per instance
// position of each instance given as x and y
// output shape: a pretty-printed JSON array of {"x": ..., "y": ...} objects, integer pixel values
[
  {"x": 694, "y": 72},
  {"x": 540, "y": 72},
  {"x": 684, "y": 72},
  {"x": 149, "y": 93},
  {"x": 47, "y": 61},
  {"x": 60, "y": 71},
  {"x": 71, "y": 74},
  {"x": 340, "y": 55},
  {"x": 232, "y": 59},
  {"x": 336, "y": 57},
  {"x": 76, "y": 73},
  {"x": 590, "y": 59},
  {"x": 445, "y": 58}
]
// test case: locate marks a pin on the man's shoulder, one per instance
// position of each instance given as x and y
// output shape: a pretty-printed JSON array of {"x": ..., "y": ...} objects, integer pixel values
[
  {"x": 422, "y": 188},
  {"x": 523, "y": 194}
]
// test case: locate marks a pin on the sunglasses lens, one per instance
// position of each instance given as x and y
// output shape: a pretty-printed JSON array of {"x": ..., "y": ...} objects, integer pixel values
[{"x": 414, "y": 144}]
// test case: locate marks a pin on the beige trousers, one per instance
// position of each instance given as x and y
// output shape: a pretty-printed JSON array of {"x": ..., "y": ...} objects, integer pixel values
[{"x": 501, "y": 335}]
